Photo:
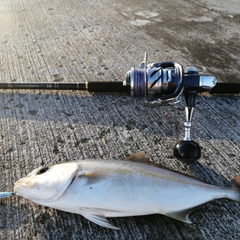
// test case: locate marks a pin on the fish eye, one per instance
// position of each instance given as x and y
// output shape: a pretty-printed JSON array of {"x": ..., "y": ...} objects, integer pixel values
[{"x": 42, "y": 170}]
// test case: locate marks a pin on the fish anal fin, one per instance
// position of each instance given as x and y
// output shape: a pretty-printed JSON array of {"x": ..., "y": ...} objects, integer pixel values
[
  {"x": 99, "y": 219},
  {"x": 182, "y": 215}
]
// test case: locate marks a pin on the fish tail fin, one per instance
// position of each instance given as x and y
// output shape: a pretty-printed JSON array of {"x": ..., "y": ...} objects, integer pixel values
[
  {"x": 235, "y": 184},
  {"x": 236, "y": 181}
]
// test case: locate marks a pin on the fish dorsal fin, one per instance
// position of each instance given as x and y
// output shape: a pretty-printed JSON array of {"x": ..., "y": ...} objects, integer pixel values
[
  {"x": 137, "y": 157},
  {"x": 140, "y": 157},
  {"x": 99, "y": 219}
]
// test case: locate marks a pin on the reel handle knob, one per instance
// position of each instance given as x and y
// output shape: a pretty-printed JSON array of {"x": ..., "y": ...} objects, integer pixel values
[{"x": 187, "y": 151}]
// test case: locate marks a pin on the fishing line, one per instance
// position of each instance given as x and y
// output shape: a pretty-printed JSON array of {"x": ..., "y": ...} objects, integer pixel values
[{"x": 5, "y": 194}]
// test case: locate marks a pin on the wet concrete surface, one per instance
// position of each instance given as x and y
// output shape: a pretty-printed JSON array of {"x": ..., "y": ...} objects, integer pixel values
[
  {"x": 207, "y": 38},
  {"x": 78, "y": 41}
]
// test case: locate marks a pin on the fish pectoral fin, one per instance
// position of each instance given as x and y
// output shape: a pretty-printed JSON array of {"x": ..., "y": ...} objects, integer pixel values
[
  {"x": 99, "y": 219},
  {"x": 94, "y": 176},
  {"x": 182, "y": 215}
]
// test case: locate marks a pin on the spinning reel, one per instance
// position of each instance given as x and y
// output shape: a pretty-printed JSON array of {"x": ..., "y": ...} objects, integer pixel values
[{"x": 164, "y": 83}]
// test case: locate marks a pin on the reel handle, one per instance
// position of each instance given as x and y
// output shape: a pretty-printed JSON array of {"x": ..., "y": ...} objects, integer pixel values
[{"x": 188, "y": 150}]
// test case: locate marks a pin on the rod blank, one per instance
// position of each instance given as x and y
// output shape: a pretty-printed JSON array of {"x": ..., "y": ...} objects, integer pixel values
[
  {"x": 61, "y": 86},
  {"x": 107, "y": 86},
  {"x": 112, "y": 87}
]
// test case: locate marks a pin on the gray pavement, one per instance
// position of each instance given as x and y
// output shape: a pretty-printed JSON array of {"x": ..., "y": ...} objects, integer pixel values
[{"x": 77, "y": 41}]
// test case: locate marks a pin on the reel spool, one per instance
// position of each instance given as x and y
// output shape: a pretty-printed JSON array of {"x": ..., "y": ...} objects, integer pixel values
[{"x": 158, "y": 82}]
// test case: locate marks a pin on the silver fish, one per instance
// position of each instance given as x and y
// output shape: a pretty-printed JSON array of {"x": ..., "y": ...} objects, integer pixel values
[{"x": 97, "y": 189}]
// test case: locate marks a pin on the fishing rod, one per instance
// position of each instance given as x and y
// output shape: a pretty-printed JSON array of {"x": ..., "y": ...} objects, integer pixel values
[{"x": 159, "y": 83}]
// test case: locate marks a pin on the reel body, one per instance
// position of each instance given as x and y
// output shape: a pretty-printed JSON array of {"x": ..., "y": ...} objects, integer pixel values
[{"x": 164, "y": 82}]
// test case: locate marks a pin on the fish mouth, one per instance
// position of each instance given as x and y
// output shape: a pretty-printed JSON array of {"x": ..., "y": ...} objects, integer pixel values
[{"x": 22, "y": 183}]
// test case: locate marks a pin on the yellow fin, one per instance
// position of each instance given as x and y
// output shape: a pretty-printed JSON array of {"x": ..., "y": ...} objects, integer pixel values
[
  {"x": 236, "y": 181},
  {"x": 138, "y": 157}
]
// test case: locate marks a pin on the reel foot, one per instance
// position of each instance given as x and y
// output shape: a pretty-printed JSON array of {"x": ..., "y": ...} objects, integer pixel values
[{"x": 187, "y": 151}]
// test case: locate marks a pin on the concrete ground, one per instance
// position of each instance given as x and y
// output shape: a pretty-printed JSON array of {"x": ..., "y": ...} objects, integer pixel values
[{"x": 78, "y": 41}]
